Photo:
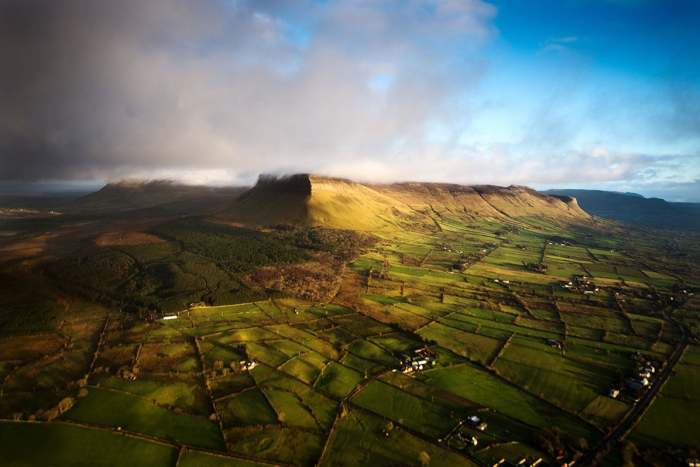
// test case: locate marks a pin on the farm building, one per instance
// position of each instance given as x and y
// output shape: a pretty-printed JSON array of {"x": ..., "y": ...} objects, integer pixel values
[
  {"x": 554, "y": 343},
  {"x": 421, "y": 360},
  {"x": 248, "y": 364},
  {"x": 476, "y": 422}
]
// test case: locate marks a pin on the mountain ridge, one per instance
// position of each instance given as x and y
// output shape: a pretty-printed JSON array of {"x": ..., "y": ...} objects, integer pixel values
[
  {"x": 636, "y": 209},
  {"x": 307, "y": 199}
]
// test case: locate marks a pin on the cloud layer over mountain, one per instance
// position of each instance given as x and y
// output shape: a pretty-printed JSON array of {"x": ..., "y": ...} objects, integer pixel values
[{"x": 217, "y": 91}]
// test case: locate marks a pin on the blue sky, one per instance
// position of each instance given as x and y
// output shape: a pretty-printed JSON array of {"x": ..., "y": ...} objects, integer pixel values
[{"x": 568, "y": 93}]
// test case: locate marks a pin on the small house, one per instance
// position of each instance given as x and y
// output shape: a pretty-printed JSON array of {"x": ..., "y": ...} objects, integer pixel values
[{"x": 476, "y": 422}]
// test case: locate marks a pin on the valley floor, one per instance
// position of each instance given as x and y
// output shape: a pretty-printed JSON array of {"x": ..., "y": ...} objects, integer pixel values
[{"x": 529, "y": 327}]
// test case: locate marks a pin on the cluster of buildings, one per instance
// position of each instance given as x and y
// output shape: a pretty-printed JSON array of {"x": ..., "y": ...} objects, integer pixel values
[
  {"x": 641, "y": 379},
  {"x": 247, "y": 364},
  {"x": 422, "y": 359},
  {"x": 581, "y": 283}
]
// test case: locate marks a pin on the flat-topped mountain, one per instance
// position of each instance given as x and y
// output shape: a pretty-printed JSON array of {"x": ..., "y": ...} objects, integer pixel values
[
  {"x": 130, "y": 195},
  {"x": 305, "y": 199}
]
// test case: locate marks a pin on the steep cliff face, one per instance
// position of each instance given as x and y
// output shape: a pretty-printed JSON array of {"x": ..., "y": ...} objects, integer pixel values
[{"x": 313, "y": 200}]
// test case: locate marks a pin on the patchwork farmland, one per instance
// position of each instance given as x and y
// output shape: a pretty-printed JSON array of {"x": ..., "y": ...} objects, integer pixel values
[{"x": 533, "y": 355}]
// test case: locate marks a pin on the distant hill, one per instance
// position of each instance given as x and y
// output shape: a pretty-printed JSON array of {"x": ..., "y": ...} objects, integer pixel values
[
  {"x": 636, "y": 209},
  {"x": 166, "y": 196},
  {"x": 305, "y": 199}
]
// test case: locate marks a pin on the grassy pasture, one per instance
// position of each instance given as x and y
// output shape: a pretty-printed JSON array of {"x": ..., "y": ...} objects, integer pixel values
[
  {"x": 187, "y": 393},
  {"x": 278, "y": 445},
  {"x": 114, "y": 409},
  {"x": 215, "y": 353},
  {"x": 201, "y": 459},
  {"x": 248, "y": 408},
  {"x": 50, "y": 373},
  {"x": 473, "y": 346},
  {"x": 290, "y": 409},
  {"x": 371, "y": 351},
  {"x": 397, "y": 344},
  {"x": 365, "y": 367},
  {"x": 56, "y": 444},
  {"x": 323, "y": 407},
  {"x": 289, "y": 348},
  {"x": 669, "y": 422},
  {"x": 254, "y": 334},
  {"x": 338, "y": 379},
  {"x": 684, "y": 384},
  {"x": 266, "y": 354},
  {"x": 692, "y": 355},
  {"x": 604, "y": 411},
  {"x": 426, "y": 391},
  {"x": 384, "y": 299},
  {"x": 424, "y": 416},
  {"x": 306, "y": 367},
  {"x": 179, "y": 356},
  {"x": 568, "y": 383},
  {"x": 358, "y": 440},
  {"x": 486, "y": 389},
  {"x": 231, "y": 384},
  {"x": 361, "y": 325}
]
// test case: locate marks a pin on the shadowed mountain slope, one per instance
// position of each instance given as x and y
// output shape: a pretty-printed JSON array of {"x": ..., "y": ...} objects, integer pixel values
[
  {"x": 312, "y": 200},
  {"x": 134, "y": 195},
  {"x": 636, "y": 209}
]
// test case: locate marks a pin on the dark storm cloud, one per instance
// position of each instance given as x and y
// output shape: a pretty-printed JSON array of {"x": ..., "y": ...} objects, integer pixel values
[
  {"x": 376, "y": 90},
  {"x": 97, "y": 89}
]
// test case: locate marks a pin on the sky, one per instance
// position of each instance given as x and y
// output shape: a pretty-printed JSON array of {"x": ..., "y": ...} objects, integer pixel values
[{"x": 601, "y": 94}]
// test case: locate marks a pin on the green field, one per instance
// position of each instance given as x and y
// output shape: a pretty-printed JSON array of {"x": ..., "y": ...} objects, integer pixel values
[
  {"x": 114, "y": 409},
  {"x": 65, "y": 445},
  {"x": 290, "y": 340}
]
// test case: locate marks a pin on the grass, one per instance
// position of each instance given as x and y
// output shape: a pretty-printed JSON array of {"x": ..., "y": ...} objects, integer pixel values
[
  {"x": 306, "y": 367},
  {"x": 473, "y": 346},
  {"x": 185, "y": 392},
  {"x": 484, "y": 388},
  {"x": 370, "y": 351},
  {"x": 249, "y": 408},
  {"x": 365, "y": 367},
  {"x": 56, "y": 444},
  {"x": 569, "y": 384},
  {"x": 388, "y": 401},
  {"x": 323, "y": 407},
  {"x": 358, "y": 440},
  {"x": 200, "y": 459},
  {"x": 669, "y": 422},
  {"x": 291, "y": 410},
  {"x": 339, "y": 380},
  {"x": 684, "y": 384},
  {"x": 113, "y": 409},
  {"x": 278, "y": 445},
  {"x": 230, "y": 384},
  {"x": 384, "y": 299}
]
